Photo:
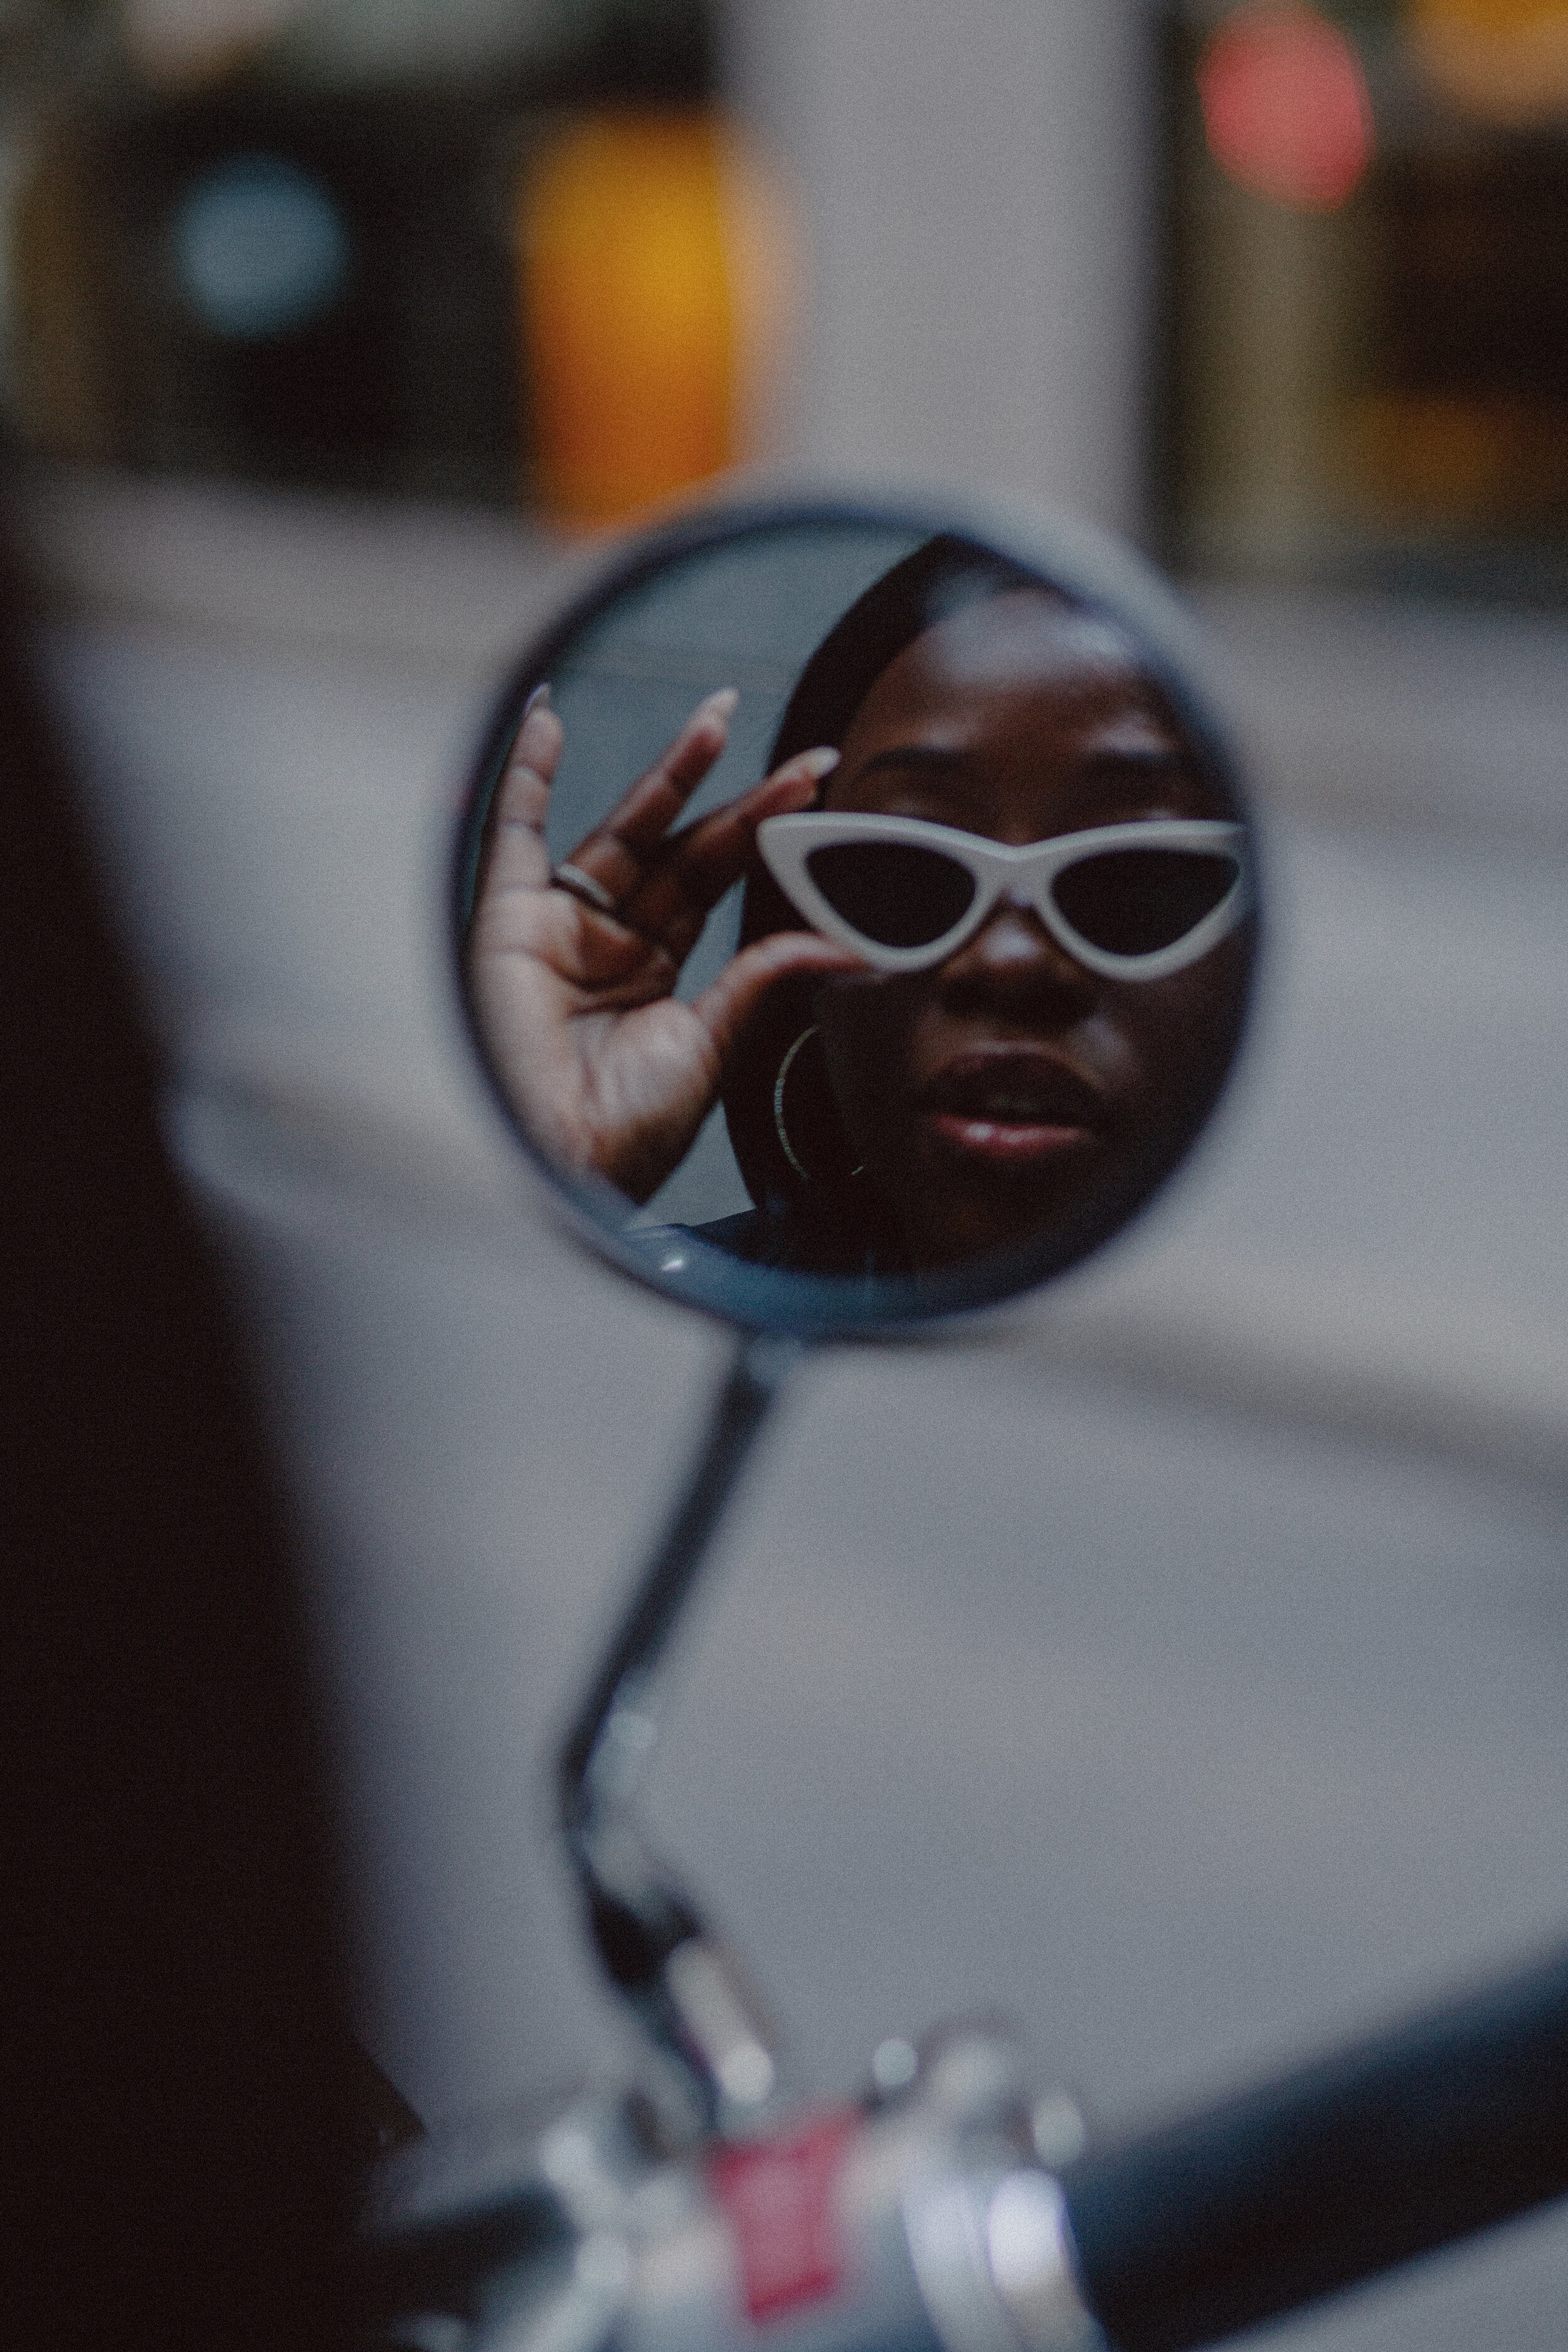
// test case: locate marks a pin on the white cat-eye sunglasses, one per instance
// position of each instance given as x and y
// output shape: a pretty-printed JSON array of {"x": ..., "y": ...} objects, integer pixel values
[{"x": 1135, "y": 902}]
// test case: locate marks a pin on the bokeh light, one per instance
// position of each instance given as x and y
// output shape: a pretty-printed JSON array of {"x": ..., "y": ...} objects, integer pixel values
[
  {"x": 181, "y": 44},
  {"x": 1285, "y": 109},
  {"x": 260, "y": 249},
  {"x": 1505, "y": 61},
  {"x": 654, "y": 253}
]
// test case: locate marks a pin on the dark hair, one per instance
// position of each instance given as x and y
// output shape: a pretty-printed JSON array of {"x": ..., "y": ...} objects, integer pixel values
[{"x": 813, "y": 1177}]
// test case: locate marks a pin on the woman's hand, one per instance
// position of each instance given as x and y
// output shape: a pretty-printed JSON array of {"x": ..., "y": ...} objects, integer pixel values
[{"x": 608, "y": 1071}]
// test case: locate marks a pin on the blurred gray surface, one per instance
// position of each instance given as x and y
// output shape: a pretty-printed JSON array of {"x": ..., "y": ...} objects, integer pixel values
[{"x": 1182, "y": 1664}]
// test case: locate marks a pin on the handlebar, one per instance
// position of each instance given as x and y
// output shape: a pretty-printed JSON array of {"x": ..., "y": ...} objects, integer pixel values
[
  {"x": 1345, "y": 2168},
  {"x": 928, "y": 2220}
]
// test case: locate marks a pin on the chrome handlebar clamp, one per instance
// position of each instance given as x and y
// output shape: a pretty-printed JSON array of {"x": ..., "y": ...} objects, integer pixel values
[{"x": 920, "y": 2219}]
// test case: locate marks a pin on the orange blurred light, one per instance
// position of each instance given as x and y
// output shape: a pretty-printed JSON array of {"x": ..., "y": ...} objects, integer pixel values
[
  {"x": 654, "y": 261},
  {"x": 1504, "y": 60},
  {"x": 1285, "y": 103}
]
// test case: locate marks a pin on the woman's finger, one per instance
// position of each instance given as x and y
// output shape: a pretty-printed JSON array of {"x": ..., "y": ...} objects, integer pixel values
[
  {"x": 617, "y": 853},
  {"x": 705, "y": 860},
  {"x": 727, "y": 1005},
  {"x": 515, "y": 854}
]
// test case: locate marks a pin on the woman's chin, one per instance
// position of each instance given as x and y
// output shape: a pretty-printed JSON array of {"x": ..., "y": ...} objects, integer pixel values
[{"x": 983, "y": 1185}]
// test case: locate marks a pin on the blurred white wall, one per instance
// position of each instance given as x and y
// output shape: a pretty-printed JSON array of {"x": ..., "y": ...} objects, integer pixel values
[{"x": 977, "y": 181}]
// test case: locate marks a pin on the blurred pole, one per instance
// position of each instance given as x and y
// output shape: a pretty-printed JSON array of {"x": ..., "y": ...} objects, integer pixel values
[{"x": 979, "y": 183}]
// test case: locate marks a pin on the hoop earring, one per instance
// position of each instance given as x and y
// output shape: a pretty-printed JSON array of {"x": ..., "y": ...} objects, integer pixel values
[{"x": 780, "y": 1130}]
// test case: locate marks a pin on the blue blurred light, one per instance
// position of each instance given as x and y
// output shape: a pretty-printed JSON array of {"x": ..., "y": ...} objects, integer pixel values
[{"x": 260, "y": 247}]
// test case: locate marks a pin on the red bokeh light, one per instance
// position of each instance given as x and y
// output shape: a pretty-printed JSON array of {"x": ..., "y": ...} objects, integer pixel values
[{"x": 1286, "y": 106}]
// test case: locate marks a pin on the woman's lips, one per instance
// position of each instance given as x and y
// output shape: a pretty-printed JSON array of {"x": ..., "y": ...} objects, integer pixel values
[
  {"x": 1009, "y": 1109},
  {"x": 1009, "y": 1142}
]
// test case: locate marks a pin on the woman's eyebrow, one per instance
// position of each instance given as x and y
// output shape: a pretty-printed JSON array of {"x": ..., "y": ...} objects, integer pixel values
[
  {"x": 1136, "y": 755},
  {"x": 930, "y": 757},
  {"x": 1140, "y": 769}
]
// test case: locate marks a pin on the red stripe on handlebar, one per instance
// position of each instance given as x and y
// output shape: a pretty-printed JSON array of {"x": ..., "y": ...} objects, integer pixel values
[{"x": 779, "y": 2195}]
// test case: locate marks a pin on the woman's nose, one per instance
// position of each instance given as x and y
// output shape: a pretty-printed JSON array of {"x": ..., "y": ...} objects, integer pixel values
[{"x": 1013, "y": 961}]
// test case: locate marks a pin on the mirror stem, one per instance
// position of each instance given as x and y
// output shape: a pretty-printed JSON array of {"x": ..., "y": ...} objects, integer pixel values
[{"x": 649, "y": 1936}]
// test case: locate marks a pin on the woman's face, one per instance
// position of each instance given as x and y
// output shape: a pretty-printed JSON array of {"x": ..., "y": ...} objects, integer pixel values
[{"x": 1010, "y": 1087}]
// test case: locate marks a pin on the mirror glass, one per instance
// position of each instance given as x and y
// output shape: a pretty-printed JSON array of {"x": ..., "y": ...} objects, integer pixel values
[{"x": 857, "y": 910}]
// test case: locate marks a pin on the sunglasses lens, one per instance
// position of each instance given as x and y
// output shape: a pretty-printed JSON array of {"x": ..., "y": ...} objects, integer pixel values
[
  {"x": 892, "y": 892},
  {"x": 1136, "y": 901}
]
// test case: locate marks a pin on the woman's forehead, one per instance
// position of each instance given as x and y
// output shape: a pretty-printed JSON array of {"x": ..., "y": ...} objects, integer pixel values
[
  {"x": 1030, "y": 658},
  {"x": 1022, "y": 716},
  {"x": 1025, "y": 642},
  {"x": 1024, "y": 636}
]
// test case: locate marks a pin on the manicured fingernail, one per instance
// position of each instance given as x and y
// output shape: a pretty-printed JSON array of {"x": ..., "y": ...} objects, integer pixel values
[
  {"x": 818, "y": 764},
  {"x": 719, "y": 705},
  {"x": 538, "y": 701}
]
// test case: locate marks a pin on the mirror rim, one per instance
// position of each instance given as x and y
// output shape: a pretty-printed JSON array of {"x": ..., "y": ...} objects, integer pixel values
[{"x": 1091, "y": 565}]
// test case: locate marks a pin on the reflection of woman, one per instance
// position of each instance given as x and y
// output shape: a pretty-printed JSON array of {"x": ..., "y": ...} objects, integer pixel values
[{"x": 974, "y": 1046}]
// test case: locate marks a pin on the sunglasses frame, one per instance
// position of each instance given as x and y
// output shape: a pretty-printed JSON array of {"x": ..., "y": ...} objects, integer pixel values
[{"x": 999, "y": 870}]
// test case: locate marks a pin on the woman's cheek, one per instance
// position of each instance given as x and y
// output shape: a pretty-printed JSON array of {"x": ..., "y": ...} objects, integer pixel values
[
  {"x": 1114, "y": 1042},
  {"x": 867, "y": 1022},
  {"x": 1182, "y": 1032}
]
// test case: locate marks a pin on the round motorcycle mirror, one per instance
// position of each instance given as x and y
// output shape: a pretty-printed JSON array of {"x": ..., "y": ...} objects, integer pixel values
[{"x": 855, "y": 908}]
